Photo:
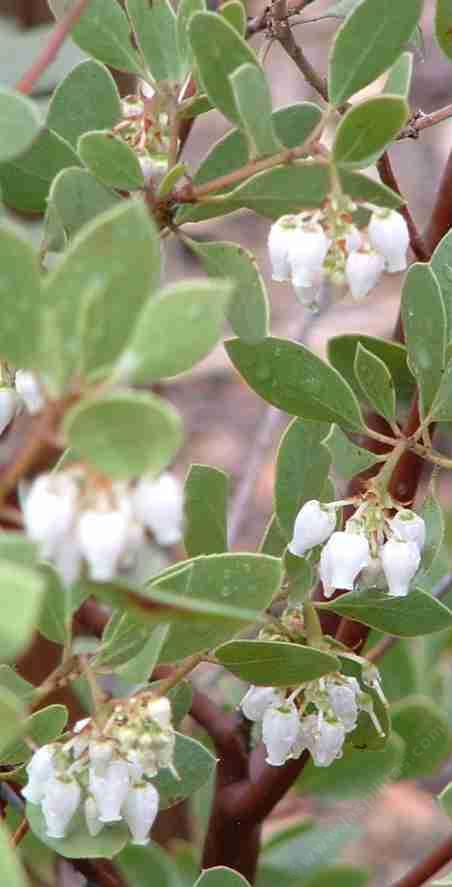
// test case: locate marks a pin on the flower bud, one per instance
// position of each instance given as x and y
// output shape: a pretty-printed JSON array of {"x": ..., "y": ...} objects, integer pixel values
[
  {"x": 140, "y": 810},
  {"x": 313, "y": 526},
  {"x": 343, "y": 696},
  {"x": 60, "y": 801},
  {"x": 362, "y": 271},
  {"x": 307, "y": 251},
  {"x": 110, "y": 789},
  {"x": 409, "y": 527},
  {"x": 49, "y": 510},
  {"x": 280, "y": 728},
  {"x": 159, "y": 506},
  {"x": 400, "y": 562},
  {"x": 257, "y": 700},
  {"x": 40, "y": 769},
  {"x": 342, "y": 559},
  {"x": 388, "y": 234},
  {"x": 93, "y": 823},
  {"x": 279, "y": 240},
  {"x": 29, "y": 389},
  {"x": 159, "y": 710},
  {"x": 328, "y": 743},
  {"x": 102, "y": 536},
  {"x": 8, "y": 407}
]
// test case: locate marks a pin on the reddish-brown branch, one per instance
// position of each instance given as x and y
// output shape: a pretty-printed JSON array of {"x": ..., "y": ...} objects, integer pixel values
[
  {"x": 20, "y": 832},
  {"x": 441, "y": 219},
  {"x": 428, "y": 867},
  {"x": 420, "y": 249},
  {"x": 50, "y": 51}
]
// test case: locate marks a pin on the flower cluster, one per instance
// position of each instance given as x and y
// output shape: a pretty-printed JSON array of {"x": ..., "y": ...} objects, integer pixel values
[
  {"x": 313, "y": 247},
  {"x": 25, "y": 392},
  {"x": 381, "y": 550},
  {"x": 145, "y": 127},
  {"x": 316, "y": 717},
  {"x": 105, "y": 772},
  {"x": 77, "y": 519}
]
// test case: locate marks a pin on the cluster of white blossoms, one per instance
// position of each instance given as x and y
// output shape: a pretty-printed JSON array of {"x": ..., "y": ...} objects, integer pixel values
[
  {"x": 145, "y": 127},
  {"x": 105, "y": 773},
  {"x": 316, "y": 717},
  {"x": 79, "y": 520},
  {"x": 25, "y": 392},
  {"x": 382, "y": 551},
  {"x": 325, "y": 245}
]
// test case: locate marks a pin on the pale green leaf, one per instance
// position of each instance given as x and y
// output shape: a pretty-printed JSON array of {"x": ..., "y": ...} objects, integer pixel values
[
  {"x": 425, "y": 324},
  {"x": 367, "y": 128},
  {"x": 253, "y": 101},
  {"x": 342, "y": 354},
  {"x": 26, "y": 180},
  {"x": 295, "y": 380},
  {"x": 154, "y": 25},
  {"x": 111, "y": 160},
  {"x": 20, "y": 123},
  {"x": 301, "y": 470},
  {"x": 443, "y": 27},
  {"x": 416, "y": 614},
  {"x": 194, "y": 765},
  {"x": 21, "y": 595},
  {"x": 185, "y": 10},
  {"x": 424, "y": 729},
  {"x": 124, "y": 434},
  {"x": 103, "y": 32},
  {"x": 348, "y": 458},
  {"x": 365, "y": 190},
  {"x": 376, "y": 382},
  {"x": 219, "y": 50},
  {"x": 12, "y": 873},
  {"x": 248, "y": 308},
  {"x": 20, "y": 297},
  {"x": 441, "y": 410},
  {"x": 398, "y": 81},
  {"x": 275, "y": 663},
  {"x": 176, "y": 330},
  {"x": 86, "y": 99},
  {"x": 235, "y": 13},
  {"x": 368, "y": 43},
  {"x": 205, "y": 506},
  {"x": 220, "y": 876},
  {"x": 75, "y": 198}
]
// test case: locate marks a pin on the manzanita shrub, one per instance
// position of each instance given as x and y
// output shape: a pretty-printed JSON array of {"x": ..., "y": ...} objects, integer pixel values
[{"x": 318, "y": 624}]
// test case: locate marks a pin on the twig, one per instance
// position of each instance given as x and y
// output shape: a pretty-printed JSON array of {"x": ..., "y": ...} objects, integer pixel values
[
  {"x": 424, "y": 870},
  {"x": 260, "y": 22},
  {"x": 20, "y": 832},
  {"x": 419, "y": 247},
  {"x": 50, "y": 51},
  {"x": 421, "y": 121},
  {"x": 282, "y": 32}
]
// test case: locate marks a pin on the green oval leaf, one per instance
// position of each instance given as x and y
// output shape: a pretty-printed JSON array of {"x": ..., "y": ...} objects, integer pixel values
[
  {"x": 367, "y": 128},
  {"x": 111, "y": 160},
  {"x": 348, "y": 459},
  {"x": 398, "y": 81},
  {"x": 12, "y": 872},
  {"x": 75, "y": 198},
  {"x": 342, "y": 354},
  {"x": 301, "y": 470},
  {"x": 248, "y": 308},
  {"x": 21, "y": 594},
  {"x": 205, "y": 507},
  {"x": 105, "y": 433},
  {"x": 369, "y": 41},
  {"x": 441, "y": 264},
  {"x": 25, "y": 181},
  {"x": 41, "y": 727},
  {"x": 220, "y": 876},
  {"x": 376, "y": 382},
  {"x": 443, "y": 25},
  {"x": 292, "y": 378},
  {"x": 194, "y": 765},
  {"x": 219, "y": 50},
  {"x": 425, "y": 731},
  {"x": 20, "y": 123},
  {"x": 20, "y": 296},
  {"x": 176, "y": 330},
  {"x": 103, "y": 32},
  {"x": 425, "y": 324},
  {"x": 274, "y": 663},
  {"x": 362, "y": 188},
  {"x": 154, "y": 25},
  {"x": 254, "y": 106},
  {"x": 86, "y": 99},
  {"x": 407, "y": 617}
]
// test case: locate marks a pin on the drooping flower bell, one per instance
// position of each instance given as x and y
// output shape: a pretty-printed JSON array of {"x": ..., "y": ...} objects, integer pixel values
[
  {"x": 409, "y": 527},
  {"x": 388, "y": 234},
  {"x": 102, "y": 536},
  {"x": 313, "y": 526},
  {"x": 342, "y": 559},
  {"x": 140, "y": 809},
  {"x": 109, "y": 790},
  {"x": 29, "y": 389},
  {"x": 400, "y": 561},
  {"x": 40, "y": 769},
  {"x": 323, "y": 739},
  {"x": 258, "y": 699},
  {"x": 280, "y": 728},
  {"x": 49, "y": 511},
  {"x": 362, "y": 272},
  {"x": 158, "y": 504},
  {"x": 60, "y": 801},
  {"x": 343, "y": 696},
  {"x": 8, "y": 407},
  {"x": 307, "y": 251},
  {"x": 279, "y": 239}
]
